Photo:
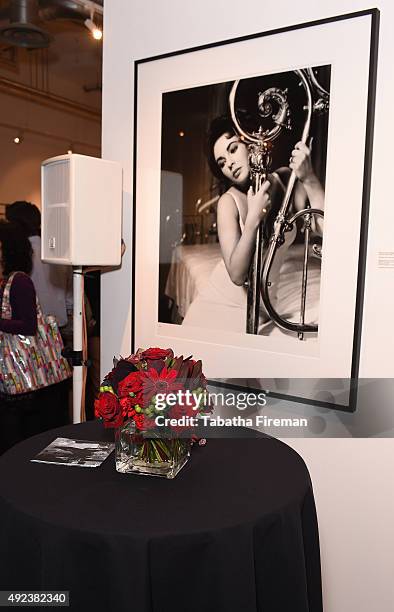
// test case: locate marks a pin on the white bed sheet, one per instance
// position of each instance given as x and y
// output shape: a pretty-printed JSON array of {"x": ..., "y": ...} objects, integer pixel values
[{"x": 192, "y": 265}]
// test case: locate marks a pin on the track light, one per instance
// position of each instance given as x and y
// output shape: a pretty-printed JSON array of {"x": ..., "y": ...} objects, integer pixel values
[
  {"x": 96, "y": 32},
  {"x": 18, "y": 139}
]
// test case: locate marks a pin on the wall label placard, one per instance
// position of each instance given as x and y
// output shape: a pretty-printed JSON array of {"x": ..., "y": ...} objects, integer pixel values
[{"x": 386, "y": 259}]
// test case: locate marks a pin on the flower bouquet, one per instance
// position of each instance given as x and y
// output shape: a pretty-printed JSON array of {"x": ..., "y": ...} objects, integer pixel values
[{"x": 153, "y": 400}]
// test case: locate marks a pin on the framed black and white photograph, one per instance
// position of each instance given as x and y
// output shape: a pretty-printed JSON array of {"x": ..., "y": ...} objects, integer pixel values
[{"x": 251, "y": 175}]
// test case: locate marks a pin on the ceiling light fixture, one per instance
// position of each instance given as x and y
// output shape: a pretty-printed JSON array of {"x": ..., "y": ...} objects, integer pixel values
[
  {"x": 18, "y": 139},
  {"x": 23, "y": 28},
  {"x": 96, "y": 32}
]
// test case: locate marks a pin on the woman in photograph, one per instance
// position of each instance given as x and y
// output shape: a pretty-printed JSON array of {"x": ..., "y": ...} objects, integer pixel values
[{"x": 221, "y": 304}]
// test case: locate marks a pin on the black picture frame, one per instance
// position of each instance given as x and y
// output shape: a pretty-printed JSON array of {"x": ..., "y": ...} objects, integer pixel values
[{"x": 142, "y": 269}]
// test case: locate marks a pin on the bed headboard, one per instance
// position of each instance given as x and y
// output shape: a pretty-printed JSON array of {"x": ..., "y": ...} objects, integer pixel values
[{"x": 192, "y": 229}]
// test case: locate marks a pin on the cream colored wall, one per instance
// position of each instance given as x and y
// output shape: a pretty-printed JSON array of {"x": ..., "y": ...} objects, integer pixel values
[
  {"x": 352, "y": 478},
  {"x": 352, "y": 482}
]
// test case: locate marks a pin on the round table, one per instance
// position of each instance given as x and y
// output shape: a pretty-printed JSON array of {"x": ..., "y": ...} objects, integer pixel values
[{"x": 235, "y": 531}]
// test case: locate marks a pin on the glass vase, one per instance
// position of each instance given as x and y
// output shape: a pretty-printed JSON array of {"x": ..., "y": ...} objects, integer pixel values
[{"x": 148, "y": 454}]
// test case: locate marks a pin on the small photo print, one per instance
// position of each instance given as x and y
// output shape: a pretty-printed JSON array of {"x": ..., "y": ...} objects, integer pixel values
[{"x": 82, "y": 453}]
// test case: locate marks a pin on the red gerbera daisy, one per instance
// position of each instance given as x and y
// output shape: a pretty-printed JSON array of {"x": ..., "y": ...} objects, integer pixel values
[{"x": 164, "y": 382}]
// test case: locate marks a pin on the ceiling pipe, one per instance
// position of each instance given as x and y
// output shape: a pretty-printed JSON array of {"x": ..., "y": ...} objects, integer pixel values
[
  {"x": 69, "y": 9},
  {"x": 24, "y": 11}
]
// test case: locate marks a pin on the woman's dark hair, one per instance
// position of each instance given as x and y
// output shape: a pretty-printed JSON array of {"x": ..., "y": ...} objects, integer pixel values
[
  {"x": 16, "y": 251},
  {"x": 219, "y": 126},
  {"x": 26, "y": 215},
  {"x": 224, "y": 125}
]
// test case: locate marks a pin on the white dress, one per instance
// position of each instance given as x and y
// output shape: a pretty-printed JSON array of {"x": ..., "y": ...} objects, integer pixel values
[{"x": 221, "y": 304}]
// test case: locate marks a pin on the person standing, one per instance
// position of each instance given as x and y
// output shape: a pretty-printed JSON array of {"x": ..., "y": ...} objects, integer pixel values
[
  {"x": 27, "y": 413},
  {"x": 53, "y": 283}
]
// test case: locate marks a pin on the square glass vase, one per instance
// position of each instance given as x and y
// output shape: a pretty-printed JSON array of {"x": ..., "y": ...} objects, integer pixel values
[{"x": 147, "y": 454}]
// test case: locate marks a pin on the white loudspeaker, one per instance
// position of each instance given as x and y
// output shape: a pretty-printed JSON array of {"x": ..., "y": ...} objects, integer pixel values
[{"x": 81, "y": 211}]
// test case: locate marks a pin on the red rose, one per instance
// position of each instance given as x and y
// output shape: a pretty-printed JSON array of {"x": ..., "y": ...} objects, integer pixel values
[
  {"x": 131, "y": 384},
  {"x": 107, "y": 408},
  {"x": 156, "y": 353}
]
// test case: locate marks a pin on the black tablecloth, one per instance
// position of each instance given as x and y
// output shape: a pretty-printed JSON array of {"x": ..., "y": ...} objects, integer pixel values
[{"x": 235, "y": 531}]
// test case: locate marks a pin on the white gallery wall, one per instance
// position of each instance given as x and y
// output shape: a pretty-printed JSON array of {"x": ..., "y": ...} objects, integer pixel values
[{"x": 352, "y": 477}]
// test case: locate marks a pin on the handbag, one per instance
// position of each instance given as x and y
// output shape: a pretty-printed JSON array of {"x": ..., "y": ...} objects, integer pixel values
[{"x": 29, "y": 363}]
